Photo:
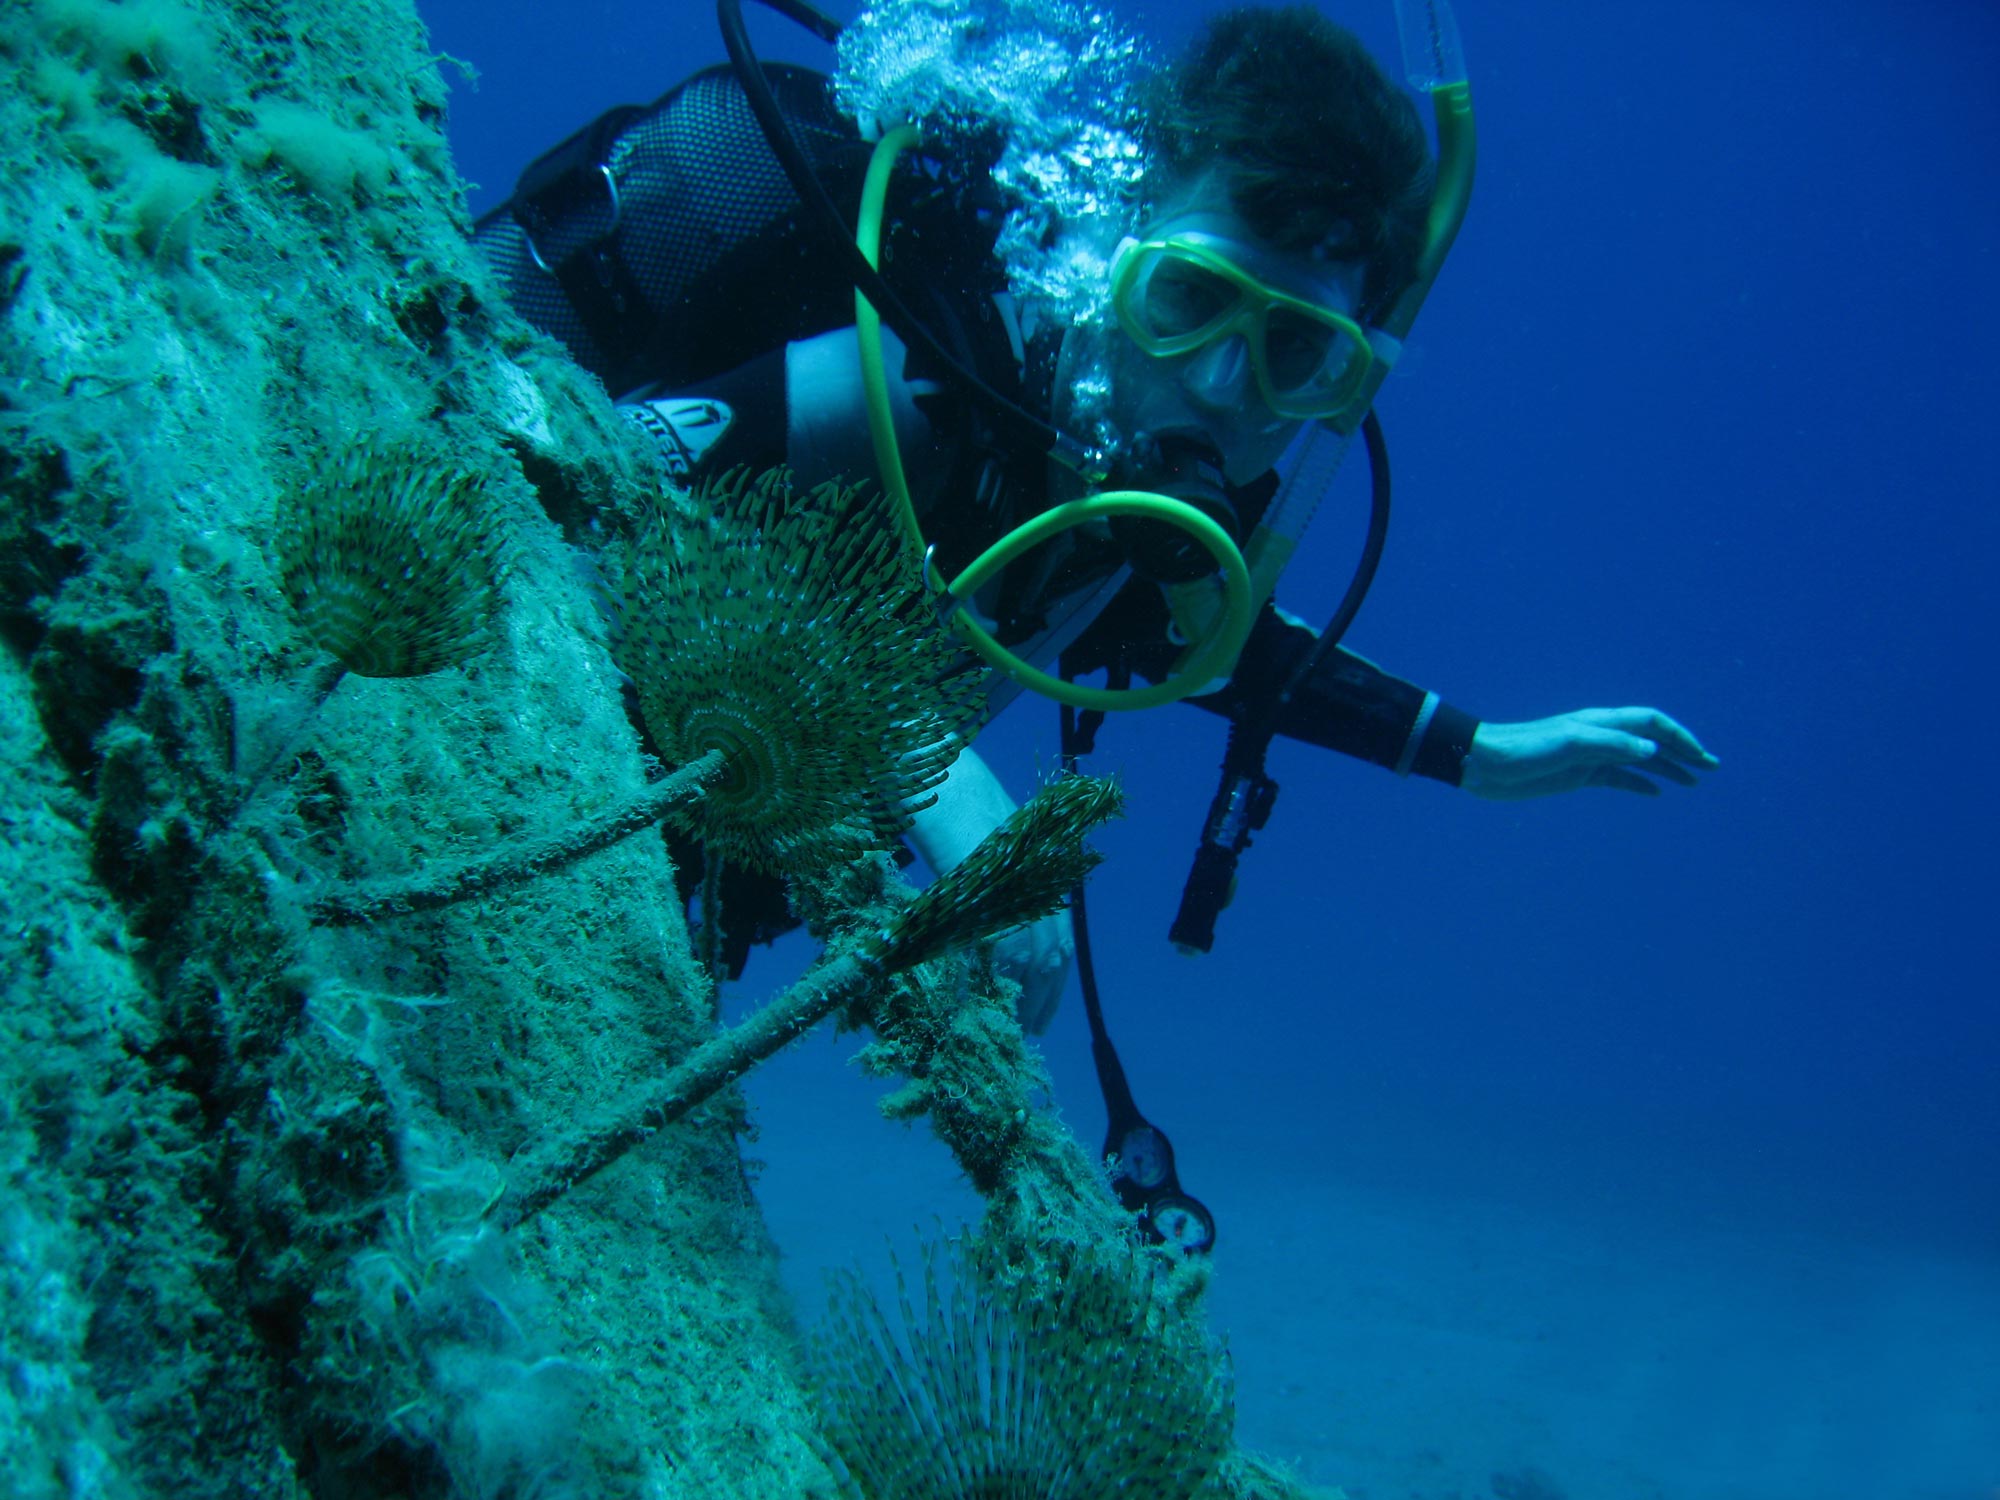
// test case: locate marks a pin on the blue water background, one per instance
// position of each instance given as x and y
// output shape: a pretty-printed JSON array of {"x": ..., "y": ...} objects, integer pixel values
[{"x": 1699, "y": 416}]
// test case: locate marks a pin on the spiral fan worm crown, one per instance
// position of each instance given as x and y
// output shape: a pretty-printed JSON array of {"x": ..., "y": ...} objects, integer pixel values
[
  {"x": 791, "y": 631},
  {"x": 391, "y": 560},
  {"x": 991, "y": 1390}
]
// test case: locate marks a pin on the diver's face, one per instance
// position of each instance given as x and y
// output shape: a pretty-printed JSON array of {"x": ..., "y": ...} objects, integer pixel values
[{"x": 1211, "y": 393}]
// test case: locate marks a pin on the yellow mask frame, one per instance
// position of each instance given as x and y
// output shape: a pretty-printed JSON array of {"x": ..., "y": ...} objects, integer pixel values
[{"x": 1244, "y": 309}]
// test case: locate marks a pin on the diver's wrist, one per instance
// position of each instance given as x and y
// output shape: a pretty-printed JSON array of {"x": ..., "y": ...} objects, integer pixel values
[{"x": 1446, "y": 742}]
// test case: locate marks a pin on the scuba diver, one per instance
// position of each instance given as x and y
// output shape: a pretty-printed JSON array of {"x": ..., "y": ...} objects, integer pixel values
[{"x": 699, "y": 254}]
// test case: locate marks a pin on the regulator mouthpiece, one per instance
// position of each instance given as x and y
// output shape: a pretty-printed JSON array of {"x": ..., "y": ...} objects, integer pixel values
[{"x": 1182, "y": 466}]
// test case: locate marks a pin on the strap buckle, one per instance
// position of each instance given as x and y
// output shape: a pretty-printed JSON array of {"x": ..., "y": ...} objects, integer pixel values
[
  {"x": 566, "y": 178},
  {"x": 534, "y": 216}
]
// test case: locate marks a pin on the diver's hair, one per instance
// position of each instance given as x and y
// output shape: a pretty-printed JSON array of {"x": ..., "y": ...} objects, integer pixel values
[{"x": 1321, "y": 149}]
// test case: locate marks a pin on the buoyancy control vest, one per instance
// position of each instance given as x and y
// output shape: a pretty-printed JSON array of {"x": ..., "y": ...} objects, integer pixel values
[
  {"x": 662, "y": 243},
  {"x": 665, "y": 248}
]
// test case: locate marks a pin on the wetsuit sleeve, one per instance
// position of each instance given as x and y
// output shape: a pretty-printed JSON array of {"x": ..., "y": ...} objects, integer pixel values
[{"x": 1349, "y": 704}]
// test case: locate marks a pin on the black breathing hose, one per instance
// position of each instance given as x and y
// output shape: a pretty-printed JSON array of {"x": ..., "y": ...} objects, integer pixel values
[
  {"x": 1364, "y": 569},
  {"x": 1246, "y": 793}
]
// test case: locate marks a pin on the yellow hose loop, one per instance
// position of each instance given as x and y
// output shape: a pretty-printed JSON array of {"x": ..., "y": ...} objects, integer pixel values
[
  {"x": 1209, "y": 659},
  {"x": 868, "y": 330}
]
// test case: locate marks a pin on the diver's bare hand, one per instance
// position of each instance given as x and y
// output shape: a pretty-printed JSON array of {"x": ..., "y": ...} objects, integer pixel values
[
  {"x": 1038, "y": 958},
  {"x": 1628, "y": 749}
]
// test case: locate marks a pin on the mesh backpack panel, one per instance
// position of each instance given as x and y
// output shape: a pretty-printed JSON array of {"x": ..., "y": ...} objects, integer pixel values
[{"x": 712, "y": 239}]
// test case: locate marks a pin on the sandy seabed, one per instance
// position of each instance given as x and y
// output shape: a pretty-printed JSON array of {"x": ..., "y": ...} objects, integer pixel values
[{"x": 1421, "y": 1347}]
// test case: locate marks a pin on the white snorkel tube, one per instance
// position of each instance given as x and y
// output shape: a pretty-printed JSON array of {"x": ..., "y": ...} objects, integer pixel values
[{"x": 1433, "y": 64}]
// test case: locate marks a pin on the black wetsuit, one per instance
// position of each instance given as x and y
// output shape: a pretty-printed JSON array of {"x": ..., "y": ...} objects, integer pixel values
[{"x": 665, "y": 248}]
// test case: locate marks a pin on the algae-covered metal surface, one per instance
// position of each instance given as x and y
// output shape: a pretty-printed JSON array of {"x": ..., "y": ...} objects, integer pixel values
[{"x": 250, "y": 1157}]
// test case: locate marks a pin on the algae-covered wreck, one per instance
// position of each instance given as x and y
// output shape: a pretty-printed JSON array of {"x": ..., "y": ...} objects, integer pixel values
[{"x": 347, "y": 1143}]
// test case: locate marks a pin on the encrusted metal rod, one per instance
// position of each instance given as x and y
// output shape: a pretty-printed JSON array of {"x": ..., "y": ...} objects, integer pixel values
[
  {"x": 1018, "y": 873},
  {"x": 521, "y": 860},
  {"x": 718, "y": 1061}
]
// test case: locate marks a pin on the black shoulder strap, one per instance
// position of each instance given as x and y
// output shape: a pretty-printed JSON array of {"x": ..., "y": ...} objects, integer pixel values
[{"x": 564, "y": 185}]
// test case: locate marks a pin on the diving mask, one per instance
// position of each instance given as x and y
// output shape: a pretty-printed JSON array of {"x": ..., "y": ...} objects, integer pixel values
[{"x": 1182, "y": 293}]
